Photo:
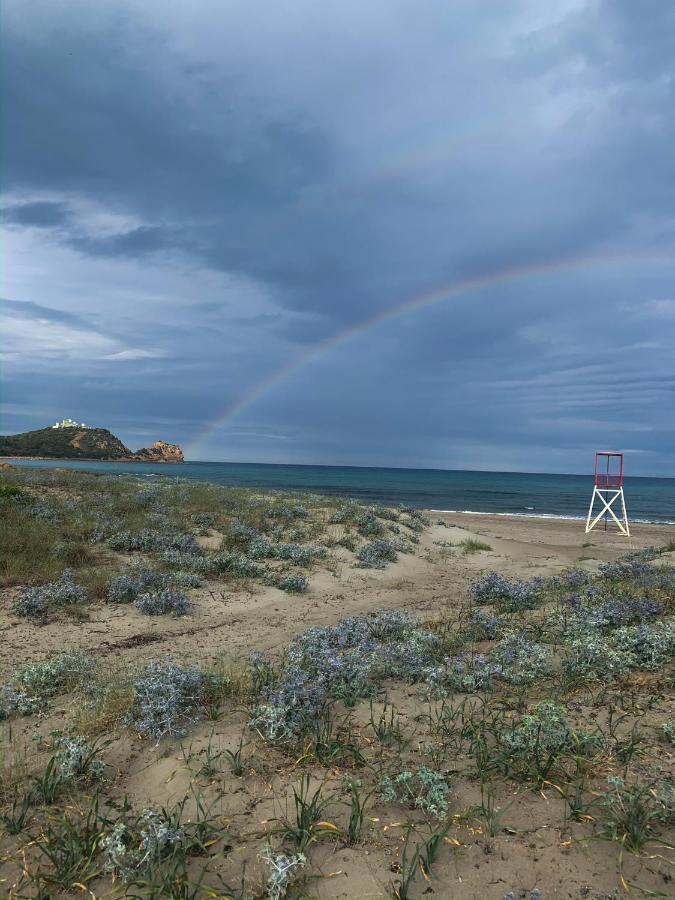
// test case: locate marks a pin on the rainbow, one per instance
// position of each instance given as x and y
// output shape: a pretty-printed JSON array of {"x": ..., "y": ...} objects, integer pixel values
[{"x": 412, "y": 305}]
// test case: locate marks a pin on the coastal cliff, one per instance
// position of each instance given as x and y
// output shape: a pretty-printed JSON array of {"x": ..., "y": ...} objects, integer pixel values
[
  {"x": 160, "y": 451},
  {"x": 84, "y": 443}
]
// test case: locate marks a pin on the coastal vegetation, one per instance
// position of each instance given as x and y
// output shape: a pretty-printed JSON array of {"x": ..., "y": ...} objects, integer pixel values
[
  {"x": 67, "y": 537},
  {"x": 383, "y": 753}
]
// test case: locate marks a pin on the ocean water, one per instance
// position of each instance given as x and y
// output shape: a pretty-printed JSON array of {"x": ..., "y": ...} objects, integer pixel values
[{"x": 568, "y": 496}]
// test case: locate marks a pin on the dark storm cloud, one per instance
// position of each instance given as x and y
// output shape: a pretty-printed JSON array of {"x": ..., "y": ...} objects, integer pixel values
[
  {"x": 39, "y": 215},
  {"x": 226, "y": 188}
]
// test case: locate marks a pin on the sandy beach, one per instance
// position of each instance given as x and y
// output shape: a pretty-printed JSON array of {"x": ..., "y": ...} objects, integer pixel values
[
  {"x": 517, "y": 837},
  {"x": 260, "y": 618}
]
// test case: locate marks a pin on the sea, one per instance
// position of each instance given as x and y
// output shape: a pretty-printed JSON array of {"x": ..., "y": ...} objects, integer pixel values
[{"x": 505, "y": 493}]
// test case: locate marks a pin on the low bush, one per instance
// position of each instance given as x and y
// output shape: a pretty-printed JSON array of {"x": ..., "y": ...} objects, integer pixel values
[
  {"x": 368, "y": 525},
  {"x": 12, "y": 493},
  {"x": 284, "y": 868},
  {"x": 154, "y": 541},
  {"x": 484, "y": 626},
  {"x": 242, "y": 533},
  {"x": 421, "y": 789},
  {"x": 165, "y": 699},
  {"x": 343, "y": 661},
  {"x": 162, "y": 603},
  {"x": 76, "y": 758},
  {"x": 534, "y": 744},
  {"x": 636, "y": 570},
  {"x": 190, "y": 563},
  {"x": 522, "y": 660},
  {"x": 301, "y": 555},
  {"x": 133, "y": 848},
  {"x": 571, "y": 579},
  {"x": 204, "y": 522},
  {"x": 286, "y": 510},
  {"x": 468, "y": 673},
  {"x": 376, "y": 555},
  {"x": 127, "y": 588},
  {"x": 649, "y": 646},
  {"x": 546, "y": 728},
  {"x": 294, "y": 583},
  {"x": 17, "y": 702},
  {"x": 37, "y": 602},
  {"x": 236, "y": 564},
  {"x": 346, "y": 512},
  {"x": 184, "y": 579},
  {"x": 632, "y": 811},
  {"x": 30, "y": 686},
  {"x": 71, "y": 552},
  {"x": 596, "y": 610},
  {"x": 590, "y": 655},
  {"x": 509, "y": 595}
]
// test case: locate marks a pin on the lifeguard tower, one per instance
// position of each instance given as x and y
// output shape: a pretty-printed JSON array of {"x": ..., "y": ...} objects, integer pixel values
[{"x": 608, "y": 488}]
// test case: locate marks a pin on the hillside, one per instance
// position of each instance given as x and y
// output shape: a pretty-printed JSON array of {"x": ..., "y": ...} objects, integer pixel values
[{"x": 83, "y": 443}]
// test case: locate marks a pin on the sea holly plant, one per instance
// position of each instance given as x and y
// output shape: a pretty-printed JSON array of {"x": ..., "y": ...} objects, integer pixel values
[
  {"x": 509, "y": 595},
  {"x": 30, "y": 687},
  {"x": 138, "y": 580},
  {"x": 547, "y": 727},
  {"x": 421, "y": 789},
  {"x": 590, "y": 655},
  {"x": 76, "y": 758},
  {"x": 595, "y": 609},
  {"x": 534, "y": 744},
  {"x": 344, "y": 661},
  {"x": 522, "y": 660},
  {"x": 294, "y": 583},
  {"x": 152, "y": 540},
  {"x": 166, "y": 602},
  {"x": 284, "y": 868},
  {"x": 166, "y": 698},
  {"x": 37, "y": 602},
  {"x": 204, "y": 522},
  {"x": 649, "y": 646},
  {"x": 631, "y": 810},
  {"x": 376, "y": 554},
  {"x": 131, "y": 848},
  {"x": 484, "y": 626}
]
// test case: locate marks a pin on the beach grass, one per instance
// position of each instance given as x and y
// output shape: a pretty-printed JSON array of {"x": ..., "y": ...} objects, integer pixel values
[{"x": 474, "y": 545}]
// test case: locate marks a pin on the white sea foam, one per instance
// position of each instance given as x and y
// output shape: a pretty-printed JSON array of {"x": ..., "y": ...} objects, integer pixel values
[{"x": 477, "y": 512}]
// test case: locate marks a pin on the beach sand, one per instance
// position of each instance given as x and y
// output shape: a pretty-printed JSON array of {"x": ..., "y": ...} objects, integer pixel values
[
  {"x": 534, "y": 843},
  {"x": 263, "y": 618}
]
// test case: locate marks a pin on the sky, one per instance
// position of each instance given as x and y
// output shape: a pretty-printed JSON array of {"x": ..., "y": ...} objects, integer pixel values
[{"x": 390, "y": 233}]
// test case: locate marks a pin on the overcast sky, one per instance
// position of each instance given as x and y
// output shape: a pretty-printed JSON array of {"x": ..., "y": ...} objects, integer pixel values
[{"x": 197, "y": 196}]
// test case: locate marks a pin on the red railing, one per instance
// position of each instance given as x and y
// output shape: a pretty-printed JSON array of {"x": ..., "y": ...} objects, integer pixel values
[{"x": 606, "y": 473}]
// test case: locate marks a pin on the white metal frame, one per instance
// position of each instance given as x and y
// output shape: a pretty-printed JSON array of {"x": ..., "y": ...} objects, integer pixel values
[{"x": 616, "y": 493}]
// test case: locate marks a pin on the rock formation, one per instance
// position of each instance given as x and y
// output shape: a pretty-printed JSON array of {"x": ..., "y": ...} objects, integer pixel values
[{"x": 160, "y": 451}]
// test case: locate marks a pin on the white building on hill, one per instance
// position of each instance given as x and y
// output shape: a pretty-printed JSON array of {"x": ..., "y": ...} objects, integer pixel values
[{"x": 69, "y": 423}]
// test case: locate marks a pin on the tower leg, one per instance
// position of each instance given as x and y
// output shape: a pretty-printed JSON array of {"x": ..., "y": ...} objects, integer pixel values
[
  {"x": 625, "y": 514},
  {"x": 590, "y": 510},
  {"x": 607, "y": 508}
]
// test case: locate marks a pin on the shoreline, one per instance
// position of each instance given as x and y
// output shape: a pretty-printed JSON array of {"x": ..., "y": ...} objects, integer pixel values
[
  {"x": 553, "y": 516},
  {"x": 430, "y": 511}
]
